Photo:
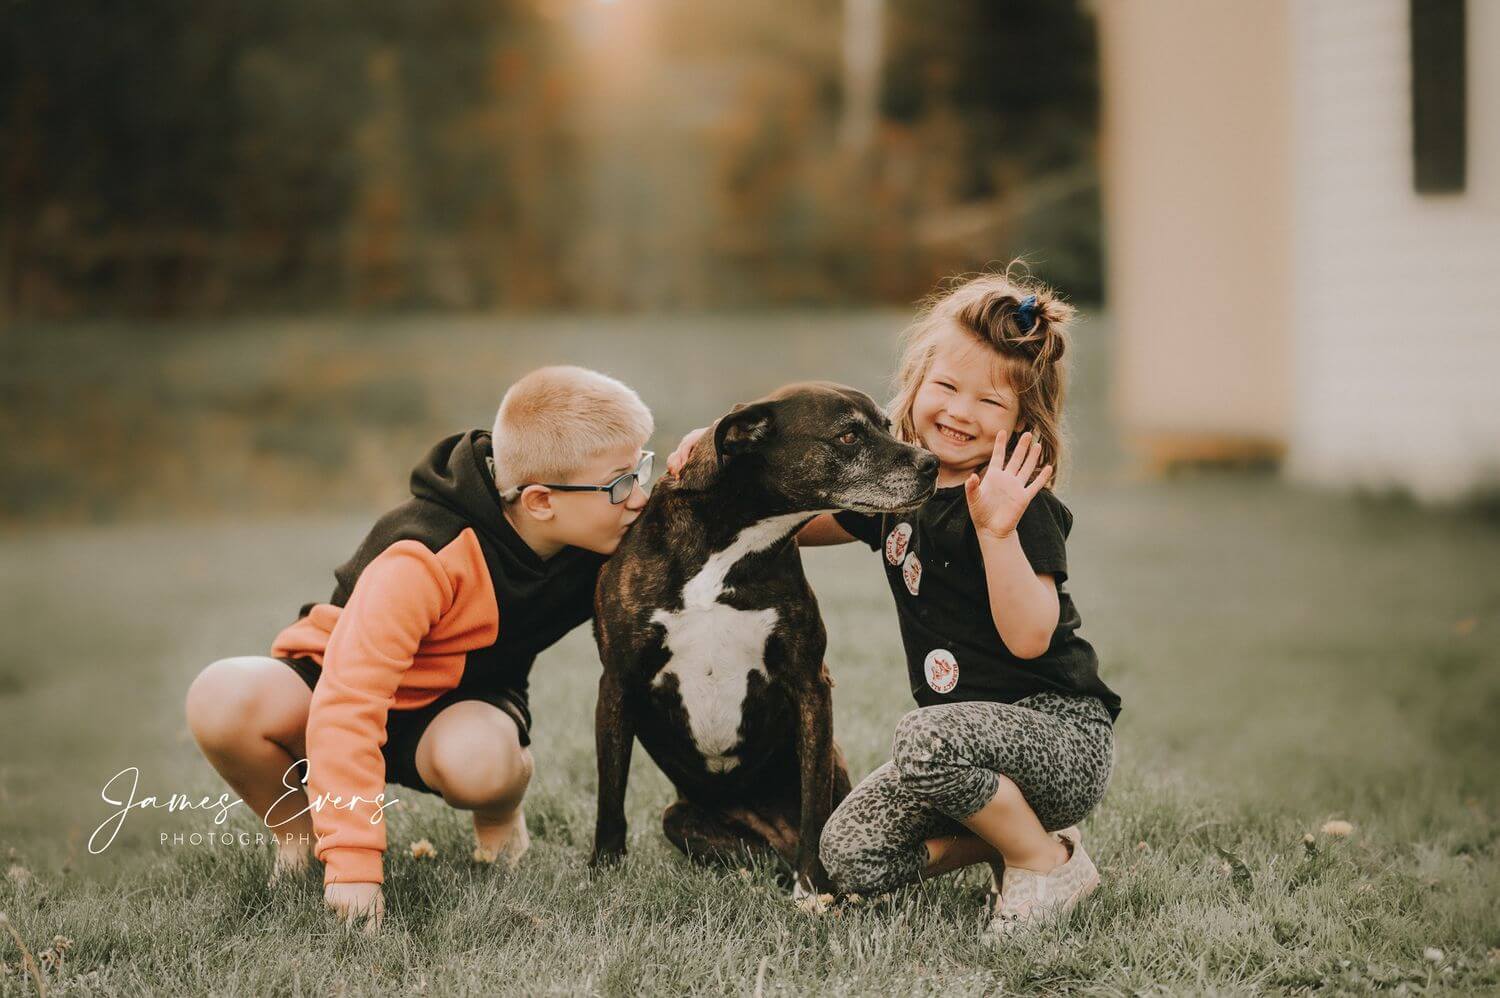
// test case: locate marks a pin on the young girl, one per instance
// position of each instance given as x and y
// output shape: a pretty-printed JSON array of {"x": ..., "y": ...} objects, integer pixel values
[{"x": 1012, "y": 742}]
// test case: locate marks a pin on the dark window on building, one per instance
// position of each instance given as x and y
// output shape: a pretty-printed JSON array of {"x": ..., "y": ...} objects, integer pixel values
[{"x": 1437, "y": 95}]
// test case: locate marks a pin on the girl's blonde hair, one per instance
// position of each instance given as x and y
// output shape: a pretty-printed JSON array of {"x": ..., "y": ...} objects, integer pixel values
[{"x": 1028, "y": 355}]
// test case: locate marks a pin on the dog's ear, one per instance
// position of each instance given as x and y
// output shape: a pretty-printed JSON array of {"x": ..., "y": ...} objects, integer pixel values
[{"x": 744, "y": 429}]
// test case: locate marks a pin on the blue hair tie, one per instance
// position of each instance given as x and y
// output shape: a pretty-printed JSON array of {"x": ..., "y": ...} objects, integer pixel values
[{"x": 1026, "y": 313}]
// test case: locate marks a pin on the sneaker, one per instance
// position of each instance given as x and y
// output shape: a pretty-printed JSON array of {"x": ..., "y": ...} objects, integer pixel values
[
  {"x": 1030, "y": 898},
  {"x": 997, "y": 870}
]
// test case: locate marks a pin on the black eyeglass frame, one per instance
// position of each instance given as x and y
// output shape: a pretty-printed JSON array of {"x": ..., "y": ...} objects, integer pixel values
[{"x": 641, "y": 474}]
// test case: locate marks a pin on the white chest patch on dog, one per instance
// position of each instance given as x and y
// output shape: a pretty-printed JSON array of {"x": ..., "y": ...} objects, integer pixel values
[{"x": 715, "y": 647}]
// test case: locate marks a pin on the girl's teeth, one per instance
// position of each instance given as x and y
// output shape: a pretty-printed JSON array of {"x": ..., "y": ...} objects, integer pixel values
[{"x": 954, "y": 434}]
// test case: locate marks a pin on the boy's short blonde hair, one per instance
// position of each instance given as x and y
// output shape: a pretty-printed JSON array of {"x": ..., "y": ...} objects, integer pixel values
[{"x": 557, "y": 419}]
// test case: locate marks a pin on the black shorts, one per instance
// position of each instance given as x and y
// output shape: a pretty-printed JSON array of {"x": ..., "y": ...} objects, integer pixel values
[{"x": 403, "y": 728}]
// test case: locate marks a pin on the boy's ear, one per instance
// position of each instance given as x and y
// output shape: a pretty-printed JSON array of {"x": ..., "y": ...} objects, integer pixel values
[
  {"x": 744, "y": 429},
  {"x": 536, "y": 501}
]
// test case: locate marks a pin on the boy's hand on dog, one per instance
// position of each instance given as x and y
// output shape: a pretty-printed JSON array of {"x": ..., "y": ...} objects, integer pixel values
[
  {"x": 357, "y": 904},
  {"x": 684, "y": 450},
  {"x": 997, "y": 500}
]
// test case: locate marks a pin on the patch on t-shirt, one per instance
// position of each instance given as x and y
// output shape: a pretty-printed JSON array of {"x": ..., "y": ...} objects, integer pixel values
[
  {"x": 911, "y": 571},
  {"x": 896, "y": 543},
  {"x": 941, "y": 669}
]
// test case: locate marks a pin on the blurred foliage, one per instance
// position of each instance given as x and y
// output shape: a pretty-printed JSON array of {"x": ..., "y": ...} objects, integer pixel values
[{"x": 161, "y": 157}]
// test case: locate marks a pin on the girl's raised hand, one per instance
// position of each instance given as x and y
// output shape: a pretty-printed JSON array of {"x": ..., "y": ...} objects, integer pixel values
[{"x": 997, "y": 500}]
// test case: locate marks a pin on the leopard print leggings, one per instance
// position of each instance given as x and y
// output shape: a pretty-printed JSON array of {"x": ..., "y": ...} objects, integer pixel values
[{"x": 1057, "y": 748}]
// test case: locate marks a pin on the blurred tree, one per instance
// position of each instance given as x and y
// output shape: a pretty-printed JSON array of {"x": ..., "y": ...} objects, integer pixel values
[{"x": 160, "y": 157}]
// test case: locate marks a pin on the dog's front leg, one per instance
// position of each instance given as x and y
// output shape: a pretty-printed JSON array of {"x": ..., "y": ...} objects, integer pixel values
[
  {"x": 614, "y": 736},
  {"x": 815, "y": 753}
]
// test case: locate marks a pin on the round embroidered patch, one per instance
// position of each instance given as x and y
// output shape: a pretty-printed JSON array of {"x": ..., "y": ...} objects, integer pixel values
[
  {"x": 941, "y": 669},
  {"x": 896, "y": 542},
  {"x": 911, "y": 571}
]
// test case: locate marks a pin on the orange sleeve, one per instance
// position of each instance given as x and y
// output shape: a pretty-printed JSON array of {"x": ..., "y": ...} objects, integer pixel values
[{"x": 399, "y": 597}]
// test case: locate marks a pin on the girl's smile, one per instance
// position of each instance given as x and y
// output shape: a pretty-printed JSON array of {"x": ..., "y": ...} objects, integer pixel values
[{"x": 953, "y": 434}]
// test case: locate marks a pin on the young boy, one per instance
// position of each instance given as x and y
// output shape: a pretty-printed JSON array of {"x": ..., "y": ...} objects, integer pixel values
[{"x": 415, "y": 670}]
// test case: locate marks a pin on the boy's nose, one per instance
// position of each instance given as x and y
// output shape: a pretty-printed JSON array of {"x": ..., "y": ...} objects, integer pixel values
[{"x": 637, "y": 497}]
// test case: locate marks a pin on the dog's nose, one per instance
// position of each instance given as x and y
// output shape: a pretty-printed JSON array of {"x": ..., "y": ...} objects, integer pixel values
[{"x": 927, "y": 462}]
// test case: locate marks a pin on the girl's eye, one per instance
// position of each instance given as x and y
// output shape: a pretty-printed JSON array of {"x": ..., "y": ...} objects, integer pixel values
[
  {"x": 946, "y": 386},
  {"x": 848, "y": 437},
  {"x": 994, "y": 402}
]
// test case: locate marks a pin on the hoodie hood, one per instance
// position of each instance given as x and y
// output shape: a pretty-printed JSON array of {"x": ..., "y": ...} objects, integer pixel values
[{"x": 456, "y": 474}]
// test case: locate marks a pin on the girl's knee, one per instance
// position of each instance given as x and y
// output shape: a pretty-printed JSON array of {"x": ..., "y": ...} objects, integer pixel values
[
  {"x": 845, "y": 856},
  {"x": 918, "y": 746},
  {"x": 859, "y": 860},
  {"x": 910, "y": 733},
  {"x": 933, "y": 759}
]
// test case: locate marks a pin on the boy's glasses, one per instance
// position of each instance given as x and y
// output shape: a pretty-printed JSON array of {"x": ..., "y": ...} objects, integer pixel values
[{"x": 619, "y": 490}]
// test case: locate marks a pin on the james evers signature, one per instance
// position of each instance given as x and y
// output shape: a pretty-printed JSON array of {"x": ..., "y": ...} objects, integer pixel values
[{"x": 220, "y": 806}]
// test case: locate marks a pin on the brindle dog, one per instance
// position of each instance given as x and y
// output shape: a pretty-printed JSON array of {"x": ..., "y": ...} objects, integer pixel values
[{"x": 710, "y": 635}]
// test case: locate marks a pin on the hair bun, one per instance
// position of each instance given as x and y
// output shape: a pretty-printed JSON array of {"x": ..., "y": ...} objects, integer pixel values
[
  {"x": 1032, "y": 326},
  {"x": 1020, "y": 317}
]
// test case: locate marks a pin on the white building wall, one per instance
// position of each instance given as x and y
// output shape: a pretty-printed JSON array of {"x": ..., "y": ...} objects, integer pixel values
[
  {"x": 1197, "y": 201},
  {"x": 1396, "y": 295}
]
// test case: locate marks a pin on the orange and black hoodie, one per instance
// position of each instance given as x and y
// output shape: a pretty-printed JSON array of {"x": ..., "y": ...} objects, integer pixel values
[{"x": 442, "y": 594}]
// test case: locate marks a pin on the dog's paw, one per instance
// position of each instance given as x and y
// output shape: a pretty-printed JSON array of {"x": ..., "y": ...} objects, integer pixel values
[
  {"x": 602, "y": 858},
  {"x": 814, "y": 904}
]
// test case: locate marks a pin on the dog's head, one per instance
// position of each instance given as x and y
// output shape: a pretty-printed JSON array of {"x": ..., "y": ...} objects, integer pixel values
[{"x": 819, "y": 445}]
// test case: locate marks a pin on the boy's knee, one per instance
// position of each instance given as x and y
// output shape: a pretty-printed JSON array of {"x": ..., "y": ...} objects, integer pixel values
[
  {"x": 221, "y": 703},
  {"x": 479, "y": 763}
]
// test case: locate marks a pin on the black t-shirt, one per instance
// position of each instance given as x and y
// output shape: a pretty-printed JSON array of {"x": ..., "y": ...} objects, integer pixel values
[{"x": 936, "y": 571}]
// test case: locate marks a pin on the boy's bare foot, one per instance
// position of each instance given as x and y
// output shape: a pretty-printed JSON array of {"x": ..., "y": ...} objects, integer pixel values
[
  {"x": 290, "y": 863},
  {"x": 503, "y": 841}
]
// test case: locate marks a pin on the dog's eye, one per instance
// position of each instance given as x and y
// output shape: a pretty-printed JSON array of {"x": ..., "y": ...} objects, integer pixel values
[{"x": 848, "y": 437}]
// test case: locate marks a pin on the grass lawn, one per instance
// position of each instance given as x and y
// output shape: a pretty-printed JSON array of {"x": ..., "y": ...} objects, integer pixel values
[{"x": 1286, "y": 658}]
